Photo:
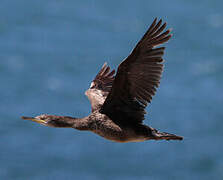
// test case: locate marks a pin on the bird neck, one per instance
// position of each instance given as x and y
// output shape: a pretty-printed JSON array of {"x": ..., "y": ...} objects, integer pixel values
[
  {"x": 71, "y": 122},
  {"x": 66, "y": 121}
]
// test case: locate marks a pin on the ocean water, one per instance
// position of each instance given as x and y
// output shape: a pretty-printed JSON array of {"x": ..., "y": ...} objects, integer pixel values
[{"x": 51, "y": 50}]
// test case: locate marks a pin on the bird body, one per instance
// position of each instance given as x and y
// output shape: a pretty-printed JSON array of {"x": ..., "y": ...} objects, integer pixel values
[
  {"x": 107, "y": 128},
  {"x": 118, "y": 102}
]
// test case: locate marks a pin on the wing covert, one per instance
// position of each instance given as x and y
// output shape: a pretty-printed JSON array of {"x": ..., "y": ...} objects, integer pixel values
[{"x": 100, "y": 87}]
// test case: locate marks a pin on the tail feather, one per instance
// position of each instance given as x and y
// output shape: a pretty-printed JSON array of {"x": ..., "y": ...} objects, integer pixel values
[{"x": 166, "y": 136}]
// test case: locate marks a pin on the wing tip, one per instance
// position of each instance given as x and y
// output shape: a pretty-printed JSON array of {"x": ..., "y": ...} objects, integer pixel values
[{"x": 105, "y": 64}]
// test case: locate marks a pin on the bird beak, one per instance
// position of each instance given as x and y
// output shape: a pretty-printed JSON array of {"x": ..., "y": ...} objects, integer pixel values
[{"x": 33, "y": 119}]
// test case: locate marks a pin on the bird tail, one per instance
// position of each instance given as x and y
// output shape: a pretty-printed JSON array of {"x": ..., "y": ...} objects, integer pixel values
[{"x": 164, "y": 136}]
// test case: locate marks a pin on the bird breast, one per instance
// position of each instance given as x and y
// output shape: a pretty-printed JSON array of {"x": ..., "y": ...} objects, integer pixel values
[{"x": 106, "y": 128}]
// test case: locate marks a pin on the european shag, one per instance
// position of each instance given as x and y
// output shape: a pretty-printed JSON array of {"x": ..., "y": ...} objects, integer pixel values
[{"x": 118, "y": 101}]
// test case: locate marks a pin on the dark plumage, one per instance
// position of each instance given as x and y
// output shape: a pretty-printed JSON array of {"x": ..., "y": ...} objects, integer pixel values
[{"x": 118, "y": 102}]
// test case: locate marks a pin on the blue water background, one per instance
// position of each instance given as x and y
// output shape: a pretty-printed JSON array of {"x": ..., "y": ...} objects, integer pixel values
[{"x": 51, "y": 50}]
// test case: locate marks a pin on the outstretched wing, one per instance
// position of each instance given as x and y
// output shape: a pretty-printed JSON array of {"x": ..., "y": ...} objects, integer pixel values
[
  {"x": 137, "y": 77},
  {"x": 100, "y": 87}
]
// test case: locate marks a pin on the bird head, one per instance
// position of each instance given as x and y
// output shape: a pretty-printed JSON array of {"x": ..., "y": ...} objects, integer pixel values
[{"x": 51, "y": 120}]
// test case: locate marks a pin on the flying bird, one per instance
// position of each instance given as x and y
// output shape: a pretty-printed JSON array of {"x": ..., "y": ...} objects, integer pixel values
[{"x": 118, "y": 101}]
